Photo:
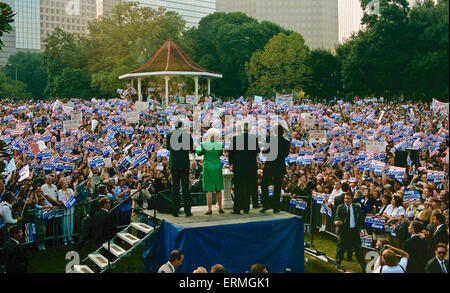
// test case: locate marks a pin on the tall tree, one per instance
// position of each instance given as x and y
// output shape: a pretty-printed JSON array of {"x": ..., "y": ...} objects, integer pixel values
[
  {"x": 6, "y": 18},
  {"x": 280, "y": 66},
  {"x": 224, "y": 42},
  {"x": 10, "y": 88},
  {"x": 126, "y": 38},
  {"x": 325, "y": 77},
  {"x": 30, "y": 70}
]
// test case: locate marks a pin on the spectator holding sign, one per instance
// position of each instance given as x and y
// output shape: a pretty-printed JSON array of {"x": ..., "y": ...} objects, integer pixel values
[{"x": 66, "y": 196}]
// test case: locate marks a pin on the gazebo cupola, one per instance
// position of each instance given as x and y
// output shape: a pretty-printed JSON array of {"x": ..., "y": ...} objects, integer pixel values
[{"x": 168, "y": 62}]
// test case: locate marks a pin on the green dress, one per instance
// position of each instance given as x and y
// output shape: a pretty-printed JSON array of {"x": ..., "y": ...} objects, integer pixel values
[{"x": 212, "y": 166}]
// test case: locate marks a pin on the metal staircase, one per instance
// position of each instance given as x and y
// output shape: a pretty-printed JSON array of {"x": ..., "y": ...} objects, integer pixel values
[{"x": 106, "y": 257}]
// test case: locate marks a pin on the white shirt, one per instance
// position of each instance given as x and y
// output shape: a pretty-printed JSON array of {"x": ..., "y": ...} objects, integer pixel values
[
  {"x": 394, "y": 270},
  {"x": 437, "y": 228},
  {"x": 51, "y": 191},
  {"x": 62, "y": 195},
  {"x": 173, "y": 268},
  {"x": 395, "y": 212},
  {"x": 333, "y": 194},
  {"x": 5, "y": 211}
]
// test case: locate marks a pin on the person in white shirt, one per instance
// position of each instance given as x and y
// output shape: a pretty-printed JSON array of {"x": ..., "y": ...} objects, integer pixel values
[
  {"x": 176, "y": 258},
  {"x": 396, "y": 212},
  {"x": 63, "y": 193},
  {"x": 6, "y": 207},
  {"x": 51, "y": 191},
  {"x": 388, "y": 262},
  {"x": 334, "y": 193}
]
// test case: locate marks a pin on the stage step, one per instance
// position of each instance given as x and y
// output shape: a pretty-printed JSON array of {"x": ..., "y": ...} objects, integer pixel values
[
  {"x": 99, "y": 260},
  {"x": 114, "y": 249},
  {"x": 142, "y": 227},
  {"x": 129, "y": 238},
  {"x": 82, "y": 269}
]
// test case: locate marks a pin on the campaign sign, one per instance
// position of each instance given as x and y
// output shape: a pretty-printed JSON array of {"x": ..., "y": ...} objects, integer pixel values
[
  {"x": 69, "y": 201},
  {"x": 375, "y": 146},
  {"x": 123, "y": 164},
  {"x": 396, "y": 172},
  {"x": 43, "y": 155},
  {"x": 318, "y": 136},
  {"x": 435, "y": 176},
  {"x": 304, "y": 160},
  {"x": 411, "y": 196},
  {"x": 298, "y": 204},
  {"x": 96, "y": 161},
  {"x": 132, "y": 117},
  {"x": 291, "y": 159},
  {"x": 107, "y": 151},
  {"x": 47, "y": 166},
  {"x": 162, "y": 153},
  {"x": 139, "y": 160},
  {"x": 297, "y": 143},
  {"x": 319, "y": 198}
]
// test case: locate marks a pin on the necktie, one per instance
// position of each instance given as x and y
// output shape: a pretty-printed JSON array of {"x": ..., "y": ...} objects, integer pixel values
[{"x": 444, "y": 270}]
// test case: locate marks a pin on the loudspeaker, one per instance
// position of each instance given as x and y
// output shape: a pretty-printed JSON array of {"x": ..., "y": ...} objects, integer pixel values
[
  {"x": 401, "y": 159},
  {"x": 163, "y": 203}
]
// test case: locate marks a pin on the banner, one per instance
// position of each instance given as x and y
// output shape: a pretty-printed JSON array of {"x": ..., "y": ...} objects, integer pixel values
[
  {"x": 317, "y": 136},
  {"x": 96, "y": 161},
  {"x": 376, "y": 146},
  {"x": 141, "y": 106},
  {"x": 309, "y": 121},
  {"x": 411, "y": 196},
  {"x": 132, "y": 117},
  {"x": 70, "y": 125}
]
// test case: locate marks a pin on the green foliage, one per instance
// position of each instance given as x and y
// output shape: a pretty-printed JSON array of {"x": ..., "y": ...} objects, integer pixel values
[
  {"x": 402, "y": 52},
  {"x": 30, "y": 70},
  {"x": 280, "y": 66},
  {"x": 6, "y": 18},
  {"x": 224, "y": 42},
  {"x": 325, "y": 77},
  {"x": 10, "y": 88},
  {"x": 126, "y": 38}
]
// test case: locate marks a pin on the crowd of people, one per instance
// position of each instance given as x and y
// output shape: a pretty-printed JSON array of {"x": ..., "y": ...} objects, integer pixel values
[{"x": 55, "y": 169}]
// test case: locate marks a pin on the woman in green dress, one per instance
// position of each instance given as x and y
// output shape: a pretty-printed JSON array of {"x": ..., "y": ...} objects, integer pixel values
[{"x": 212, "y": 149}]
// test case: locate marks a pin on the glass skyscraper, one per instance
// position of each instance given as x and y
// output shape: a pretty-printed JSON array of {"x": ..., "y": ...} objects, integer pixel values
[{"x": 27, "y": 24}]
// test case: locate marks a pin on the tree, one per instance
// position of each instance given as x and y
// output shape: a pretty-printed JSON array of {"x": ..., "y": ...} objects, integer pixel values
[
  {"x": 325, "y": 77},
  {"x": 126, "y": 38},
  {"x": 224, "y": 42},
  {"x": 6, "y": 18},
  {"x": 280, "y": 66},
  {"x": 63, "y": 56},
  {"x": 30, "y": 70},
  {"x": 10, "y": 88}
]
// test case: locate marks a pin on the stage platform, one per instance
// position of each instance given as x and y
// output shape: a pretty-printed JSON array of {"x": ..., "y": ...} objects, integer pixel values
[{"x": 235, "y": 241}]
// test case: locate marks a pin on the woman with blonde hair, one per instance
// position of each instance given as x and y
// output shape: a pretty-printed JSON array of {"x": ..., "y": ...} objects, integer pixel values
[{"x": 212, "y": 149}]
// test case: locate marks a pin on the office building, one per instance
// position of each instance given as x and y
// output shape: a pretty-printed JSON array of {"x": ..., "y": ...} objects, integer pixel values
[
  {"x": 350, "y": 15},
  {"x": 316, "y": 20},
  {"x": 190, "y": 10}
]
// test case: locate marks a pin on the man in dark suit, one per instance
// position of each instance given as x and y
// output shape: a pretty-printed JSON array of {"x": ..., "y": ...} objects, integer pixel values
[
  {"x": 14, "y": 257},
  {"x": 242, "y": 156},
  {"x": 349, "y": 223},
  {"x": 180, "y": 143},
  {"x": 438, "y": 264},
  {"x": 103, "y": 223},
  {"x": 416, "y": 247},
  {"x": 274, "y": 169},
  {"x": 440, "y": 235}
]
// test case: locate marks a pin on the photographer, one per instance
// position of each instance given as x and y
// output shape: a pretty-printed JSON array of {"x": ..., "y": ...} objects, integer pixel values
[{"x": 388, "y": 261}]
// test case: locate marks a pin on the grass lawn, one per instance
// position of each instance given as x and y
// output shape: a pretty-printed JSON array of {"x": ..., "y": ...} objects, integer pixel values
[{"x": 53, "y": 260}]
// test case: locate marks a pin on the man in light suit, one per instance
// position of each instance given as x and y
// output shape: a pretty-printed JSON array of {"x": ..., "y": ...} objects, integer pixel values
[
  {"x": 438, "y": 264},
  {"x": 349, "y": 222},
  {"x": 175, "y": 260}
]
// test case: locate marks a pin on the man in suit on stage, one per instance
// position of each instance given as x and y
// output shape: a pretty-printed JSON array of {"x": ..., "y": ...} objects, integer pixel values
[
  {"x": 243, "y": 154},
  {"x": 349, "y": 223},
  {"x": 274, "y": 169},
  {"x": 416, "y": 247},
  {"x": 175, "y": 260},
  {"x": 180, "y": 143},
  {"x": 104, "y": 227},
  {"x": 14, "y": 257},
  {"x": 438, "y": 264}
]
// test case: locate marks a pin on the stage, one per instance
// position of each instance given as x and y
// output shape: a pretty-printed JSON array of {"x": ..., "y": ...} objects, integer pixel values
[{"x": 235, "y": 241}]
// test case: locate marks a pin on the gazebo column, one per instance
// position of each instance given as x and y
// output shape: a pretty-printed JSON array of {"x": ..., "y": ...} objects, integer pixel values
[
  {"x": 139, "y": 90},
  {"x": 196, "y": 89},
  {"x": 209, "y": 86},
  {"x": 167, "y": 78}
]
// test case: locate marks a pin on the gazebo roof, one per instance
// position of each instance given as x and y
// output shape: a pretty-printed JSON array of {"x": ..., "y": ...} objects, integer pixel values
[{"x": 170, "y": 60}]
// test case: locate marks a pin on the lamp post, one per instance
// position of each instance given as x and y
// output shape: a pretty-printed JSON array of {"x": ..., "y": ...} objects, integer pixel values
[{"x": 14, "y": 68}]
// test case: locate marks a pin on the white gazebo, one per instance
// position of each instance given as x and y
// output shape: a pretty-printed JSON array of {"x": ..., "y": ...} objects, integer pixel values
[{"x": 168, "y": 62}]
